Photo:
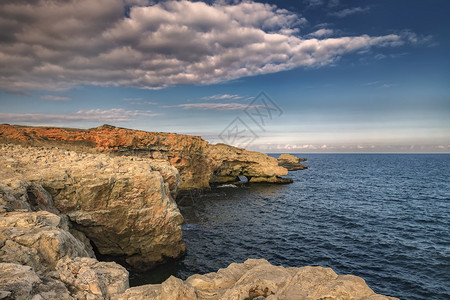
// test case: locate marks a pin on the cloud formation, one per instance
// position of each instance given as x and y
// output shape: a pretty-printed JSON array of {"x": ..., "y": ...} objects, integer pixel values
[
  {"x": 55, "y": 98},
  {"x": 139, "y": 44},
  {"x": 349, "y": 11},
  {"x": 321, "y": 33},
  {"x": 222, "y": 97},
  {"x": 94, "y": 115},
  {"x": 213, "y": 106}
]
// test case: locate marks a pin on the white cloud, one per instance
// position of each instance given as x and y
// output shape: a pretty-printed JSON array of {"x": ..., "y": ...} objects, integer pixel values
[
  {"x": 213, "y": 106},
  {"x": 55, "y": 98},
  {"x": 349, "y": 11},
  {"x": 94, "y": 115},
  {"x": 321, "y": 33},
  {"x": 222, "y": 97},
  {"x": 164, "y": 44},
  {"x": 139, "y": 101}
]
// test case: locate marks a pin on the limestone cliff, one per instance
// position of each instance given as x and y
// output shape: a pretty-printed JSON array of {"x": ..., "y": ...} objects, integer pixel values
[
  {"x": 198, "y": 162},
  {"x": 124, "y": 205}
]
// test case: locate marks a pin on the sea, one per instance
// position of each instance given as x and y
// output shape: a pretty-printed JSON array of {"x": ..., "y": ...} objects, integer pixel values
[{"x": 383, "y": 217}]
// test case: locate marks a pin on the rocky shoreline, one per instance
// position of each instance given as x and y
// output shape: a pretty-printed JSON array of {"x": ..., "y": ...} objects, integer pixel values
[
  {"x": 291, "y": 163},
  {"x": 63, "y": 191},
  {"x": 199, "y": 163}
]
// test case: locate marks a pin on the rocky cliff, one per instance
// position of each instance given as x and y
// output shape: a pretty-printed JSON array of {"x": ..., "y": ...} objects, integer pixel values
[
  {"x": 55, "y": 202},
  {"x": 199, "y": 163},
  {"x": 118, "y": 186},
  {"x": 123, "y": 204}
]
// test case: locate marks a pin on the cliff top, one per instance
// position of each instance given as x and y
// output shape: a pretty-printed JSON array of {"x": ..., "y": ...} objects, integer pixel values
[{"x": 101, "y": 138}]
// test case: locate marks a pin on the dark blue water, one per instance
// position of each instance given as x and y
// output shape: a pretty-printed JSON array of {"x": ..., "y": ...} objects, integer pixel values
[{"x": 383, "y": 217}]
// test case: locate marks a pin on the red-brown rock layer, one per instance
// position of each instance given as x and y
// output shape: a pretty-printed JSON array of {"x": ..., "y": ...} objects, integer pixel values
[{"x": 198, "y": 162}]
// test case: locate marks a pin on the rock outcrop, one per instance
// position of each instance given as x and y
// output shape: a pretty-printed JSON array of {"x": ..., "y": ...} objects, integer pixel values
[
  {"x": 290, "y": 162},
  {"x": 40, "y": 259},
  {"x": 258, "y": 279},
  {"x": 229, "y": 162},
  {"x": 198, "y": 162},
  {"x": 123, "y": 204}
]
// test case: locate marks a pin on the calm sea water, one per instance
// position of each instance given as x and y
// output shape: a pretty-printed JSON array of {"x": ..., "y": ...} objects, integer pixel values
[{"x": 383, "y": 217}]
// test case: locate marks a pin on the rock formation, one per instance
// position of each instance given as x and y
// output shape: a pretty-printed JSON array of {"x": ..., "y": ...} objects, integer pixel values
[
  {"x": 290, "y": 162},
  {"x": 198, "y": 162},
  {"x": 258, "y": 279},
  {"x": 40, "y": 259},
  {"x": 123, "y": 204},
  {"x": 229, "y": 162},
  {"x": 61, "y": 194}
]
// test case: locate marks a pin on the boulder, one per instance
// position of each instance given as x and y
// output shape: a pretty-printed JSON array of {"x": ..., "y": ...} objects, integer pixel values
[
  {"x": 87, "y": 276},
  {"x": 17, "y": 281}
]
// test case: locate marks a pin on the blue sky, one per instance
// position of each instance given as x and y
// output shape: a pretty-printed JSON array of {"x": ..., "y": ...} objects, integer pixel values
[{"x": 340, "y": 76}]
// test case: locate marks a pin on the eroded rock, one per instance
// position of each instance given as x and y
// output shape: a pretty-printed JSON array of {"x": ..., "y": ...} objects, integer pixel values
[
  {"x": 36, "y": 239},
  {"x": 124, "y": 205},
  {"x": 87, "y": 276},
  {"x": 258, "y": 279},
  {"x": 229, "y": 162},
  {"x": 290, "y": 162},
  {"x": 198, "y": 163},
  {"x": 40, "y": 259}
]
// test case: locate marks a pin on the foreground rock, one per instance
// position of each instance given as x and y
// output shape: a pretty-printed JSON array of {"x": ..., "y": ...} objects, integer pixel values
[
  {"x": 290, "y": 162},
  {"x": 124, "y": 205},
  {"x": 198, "y": 163},
  {"x": 258, "y": 279},
  {"x": 40, "y": 259}
]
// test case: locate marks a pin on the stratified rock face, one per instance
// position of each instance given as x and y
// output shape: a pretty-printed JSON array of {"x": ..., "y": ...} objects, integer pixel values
[
  {"x": 258, "y": 279},
  {"x": 198, "y": 163},
  {"x": 124, "y": 205},
  {"x": 291, "y": 162}
]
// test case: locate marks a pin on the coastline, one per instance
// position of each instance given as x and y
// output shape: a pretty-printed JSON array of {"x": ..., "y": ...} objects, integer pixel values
[{"x": 108, "y": 196}]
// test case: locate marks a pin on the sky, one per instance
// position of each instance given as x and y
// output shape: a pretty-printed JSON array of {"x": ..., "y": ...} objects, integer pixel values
[{"x": 273, "y": 76}]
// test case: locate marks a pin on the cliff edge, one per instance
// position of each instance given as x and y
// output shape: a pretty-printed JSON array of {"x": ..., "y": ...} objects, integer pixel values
[{"x": 198, "y": 163}]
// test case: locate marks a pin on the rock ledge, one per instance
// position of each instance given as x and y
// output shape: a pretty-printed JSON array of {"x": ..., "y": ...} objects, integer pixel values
[{"x": 258, "y": 279}]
